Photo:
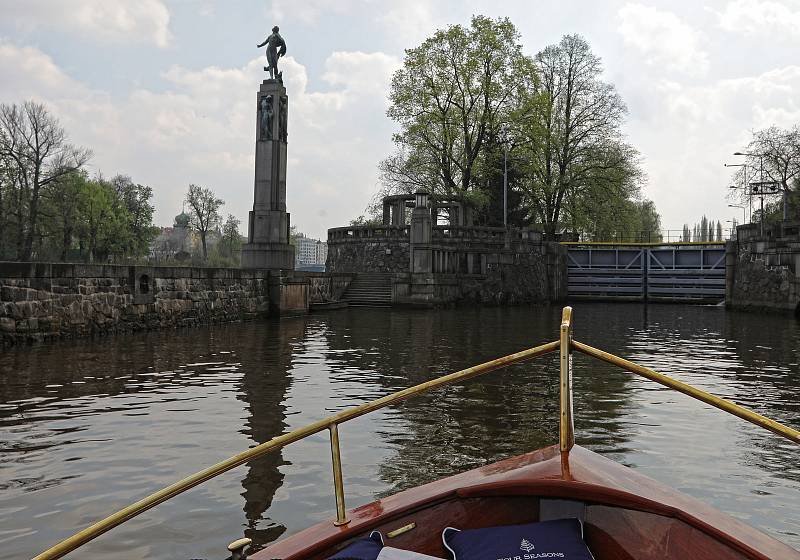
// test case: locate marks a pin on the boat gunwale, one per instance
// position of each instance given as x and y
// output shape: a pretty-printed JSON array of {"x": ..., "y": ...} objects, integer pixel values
[{"x": 512, "y": 483}]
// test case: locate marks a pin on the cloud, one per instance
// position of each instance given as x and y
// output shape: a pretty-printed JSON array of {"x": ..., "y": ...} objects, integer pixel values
[
  {"x": 200, "y": 128},
  {"x": 663, "y": 38},
  {"x": 698, "y": 127},
  {"x": 137, "y": 21},
  {"x": 757, "y": 17},
  {"x": 307, "y": 11},
  {"x": 368, "y": 73}
]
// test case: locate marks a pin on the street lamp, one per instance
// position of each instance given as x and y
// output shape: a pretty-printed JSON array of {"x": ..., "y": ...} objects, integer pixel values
[
  {"x": 761, "y": 189},
  {"x": 744, "y": 184},
  {"x": 744, "y": 214}
]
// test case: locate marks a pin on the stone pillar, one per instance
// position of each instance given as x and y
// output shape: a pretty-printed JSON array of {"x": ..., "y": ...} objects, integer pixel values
[
  {"x": 387, "y": 213},
  {"x": 420, "y": 235},
  {"x": 268, "y": 232}
]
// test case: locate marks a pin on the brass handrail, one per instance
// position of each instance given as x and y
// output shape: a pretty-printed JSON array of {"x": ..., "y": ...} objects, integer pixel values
[
  {"x": 329, "y": 423},
  {"x": 566, "y": 425},
  {"x": 566, "y": 431},
  {"x": 693, "y": 392}
]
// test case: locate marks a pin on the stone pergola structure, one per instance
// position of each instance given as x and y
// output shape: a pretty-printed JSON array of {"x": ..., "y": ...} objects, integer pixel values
[
  {"x": 457, "y": 212},
  {"x": 436, "y": 254}
]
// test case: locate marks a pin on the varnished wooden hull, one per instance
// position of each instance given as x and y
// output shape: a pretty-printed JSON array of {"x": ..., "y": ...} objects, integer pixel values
[{"x": 626, "y": 515}]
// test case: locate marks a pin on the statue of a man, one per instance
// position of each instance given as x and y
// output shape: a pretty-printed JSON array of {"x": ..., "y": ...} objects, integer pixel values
[{"x": 274, "y": 42}]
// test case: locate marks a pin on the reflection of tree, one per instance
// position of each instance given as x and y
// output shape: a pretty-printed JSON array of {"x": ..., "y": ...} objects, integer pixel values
[
  {"x": 501, "y": 414},
  {"x": 264, "y": 385}
]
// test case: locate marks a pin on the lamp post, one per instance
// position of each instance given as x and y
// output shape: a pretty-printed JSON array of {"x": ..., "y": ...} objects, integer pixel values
[
  {"x": 744, "y": 215},
  {"x": 761, "y": 188},
  {"x": 744, "y": 185}
]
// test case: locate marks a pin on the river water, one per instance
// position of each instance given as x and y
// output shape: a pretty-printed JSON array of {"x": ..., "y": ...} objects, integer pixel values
[{"x": 87, "y": 427}]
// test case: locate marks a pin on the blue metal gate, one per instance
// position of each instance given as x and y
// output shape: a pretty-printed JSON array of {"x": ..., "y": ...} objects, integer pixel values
[{"x": 660, "y": 273}]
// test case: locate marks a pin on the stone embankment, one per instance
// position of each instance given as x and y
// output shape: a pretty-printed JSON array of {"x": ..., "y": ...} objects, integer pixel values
[
  {"x": 763, "y": 273},
  {"x": 42, "y": 301}
]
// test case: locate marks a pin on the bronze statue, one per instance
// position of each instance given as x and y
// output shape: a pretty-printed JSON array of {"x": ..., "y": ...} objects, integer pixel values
[{"x": 274, "y": 42}]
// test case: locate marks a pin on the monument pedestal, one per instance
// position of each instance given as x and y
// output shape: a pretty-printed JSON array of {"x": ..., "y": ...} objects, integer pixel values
[
  {"x": 268, "y": 229},
  {"x": 275, "y": 256}
]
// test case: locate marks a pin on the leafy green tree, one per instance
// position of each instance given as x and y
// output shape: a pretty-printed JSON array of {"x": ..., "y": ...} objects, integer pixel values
[
  {"x": 453, "y": 88},
  {"x": 62, "y": 206},
  {"x": 135, "y": 199},
  {"x": 576, "y": 150},
  {"x": 231, "y": 242},
  {"x": 204, "y": 212}
]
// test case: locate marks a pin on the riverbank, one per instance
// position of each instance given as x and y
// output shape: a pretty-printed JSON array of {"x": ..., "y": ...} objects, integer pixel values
[{"x": 46, "y": 301}]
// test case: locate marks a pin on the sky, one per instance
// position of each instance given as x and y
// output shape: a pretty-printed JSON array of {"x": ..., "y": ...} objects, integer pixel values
[{"x": 165, "y": 91}]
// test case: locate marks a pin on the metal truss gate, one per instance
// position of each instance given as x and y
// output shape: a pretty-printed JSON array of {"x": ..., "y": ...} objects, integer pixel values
[{"x": 663, "y": 273}]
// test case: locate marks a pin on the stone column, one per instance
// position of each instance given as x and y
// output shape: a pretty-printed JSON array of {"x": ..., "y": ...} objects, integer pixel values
[
  {"x": 268, "y": 232},
  {"x": 420, "y": 235}
]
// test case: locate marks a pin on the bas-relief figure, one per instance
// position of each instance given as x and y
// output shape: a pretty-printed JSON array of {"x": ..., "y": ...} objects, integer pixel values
[
  {"x": 276, "y": 48},
  {"x": 267, "y": 113},
  {"x": 282, "y": 110}
]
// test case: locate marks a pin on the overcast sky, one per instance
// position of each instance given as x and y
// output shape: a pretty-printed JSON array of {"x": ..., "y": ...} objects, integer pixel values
[{"x": 165, "y": 91}]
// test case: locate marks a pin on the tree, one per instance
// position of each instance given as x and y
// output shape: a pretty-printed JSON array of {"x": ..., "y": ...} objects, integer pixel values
[
  {"x": 135, "y": 199},
  {"x": 453, "y": 88},
  {"x": 687, "y": 234},
  {"x": 773, "y": 154},
  {"x": 231, "y": 238},
  {"x": 63, "y": 207},
  {"x": 35, "y": 146},
  {"x": 575, "y": 143},
  {"x": 203, "y": 211}
]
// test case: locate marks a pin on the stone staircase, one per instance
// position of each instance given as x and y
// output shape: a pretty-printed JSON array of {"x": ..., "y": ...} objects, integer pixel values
[{"x": 369, "y": 289}]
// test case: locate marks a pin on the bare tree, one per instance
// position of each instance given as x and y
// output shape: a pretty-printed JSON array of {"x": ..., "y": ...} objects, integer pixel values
[
  {"x": 36, "y": 147},
  {"x": 773, "y": 154},
  {"x": 203, "y": 211}
]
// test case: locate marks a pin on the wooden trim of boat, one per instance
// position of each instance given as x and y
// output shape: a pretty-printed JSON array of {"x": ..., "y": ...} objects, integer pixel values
[{"x": 577, "y": 475}]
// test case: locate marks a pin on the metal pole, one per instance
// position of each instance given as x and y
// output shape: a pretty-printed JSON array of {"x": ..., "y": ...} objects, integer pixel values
[
  {"x": 566, "y": 427},
  {"x": 338, "y": 481},
  {"x": 505, "y": 187},
  {"x": 761, "y": 191}
]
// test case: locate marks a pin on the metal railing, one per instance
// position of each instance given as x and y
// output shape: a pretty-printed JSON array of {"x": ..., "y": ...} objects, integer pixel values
[{"x": 564, "y": 345}]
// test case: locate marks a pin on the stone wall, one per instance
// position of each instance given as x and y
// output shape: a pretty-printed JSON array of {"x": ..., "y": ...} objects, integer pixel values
[
  {"x": 41, "y": 301},
  {"x": 368, "y": 255},
  {"x": 325, "y": 287},
  {"x": 764, "y": 275}
]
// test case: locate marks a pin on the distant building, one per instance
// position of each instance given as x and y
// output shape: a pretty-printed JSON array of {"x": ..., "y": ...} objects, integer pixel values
[
  {"x": 322, "y": 252},
  {"x": 309, "y": 252}
]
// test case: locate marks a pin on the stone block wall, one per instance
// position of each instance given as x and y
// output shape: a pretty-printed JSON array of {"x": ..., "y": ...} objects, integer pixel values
[
  {"x": 358, "y": 255},
  {"x": 41, "y": 301},
  {"x": 324, "y": 287},
  {"x": 764, "y": 276}
]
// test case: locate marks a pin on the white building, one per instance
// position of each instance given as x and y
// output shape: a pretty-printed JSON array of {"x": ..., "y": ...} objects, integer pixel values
[
  {"x": 309, "y": 251},
  {"x": 322, "y": 252}
]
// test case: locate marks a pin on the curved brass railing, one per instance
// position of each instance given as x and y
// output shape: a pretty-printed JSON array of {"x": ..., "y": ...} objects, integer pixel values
[{"x": 565, "y": 345}]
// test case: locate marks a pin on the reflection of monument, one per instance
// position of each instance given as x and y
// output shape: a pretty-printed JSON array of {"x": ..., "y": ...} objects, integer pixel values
[
  {"x": 268, "y": 232},
  {"x": 264, "y": 387}
]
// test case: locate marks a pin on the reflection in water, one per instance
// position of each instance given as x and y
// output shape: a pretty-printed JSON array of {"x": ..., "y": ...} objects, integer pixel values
[{"x": 86, "y": 427}]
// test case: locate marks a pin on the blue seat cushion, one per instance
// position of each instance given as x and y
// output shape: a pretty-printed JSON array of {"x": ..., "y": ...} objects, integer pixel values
[
  {"x": 560, "y": 538},
  {"x": 362, "y": 549}
]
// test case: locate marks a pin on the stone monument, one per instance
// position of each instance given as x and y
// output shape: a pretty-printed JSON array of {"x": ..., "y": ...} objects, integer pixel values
[{"x": 268, "y": 231}]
